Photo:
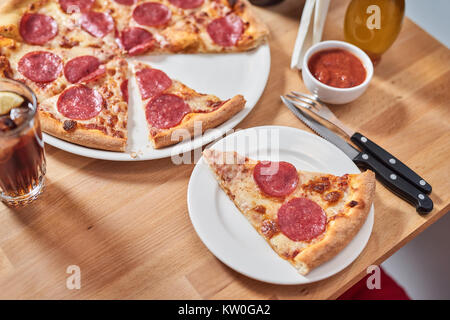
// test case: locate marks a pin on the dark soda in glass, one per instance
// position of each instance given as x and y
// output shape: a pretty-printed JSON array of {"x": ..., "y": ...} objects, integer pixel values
[{"x": 22, "y": 159}]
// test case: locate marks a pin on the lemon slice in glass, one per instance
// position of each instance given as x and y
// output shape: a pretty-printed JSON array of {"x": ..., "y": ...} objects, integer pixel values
[{"x": 8, "y": 101}]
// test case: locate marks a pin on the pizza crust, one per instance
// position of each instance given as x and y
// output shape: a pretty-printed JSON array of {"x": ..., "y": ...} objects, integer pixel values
[
  {"x": 209, "y": 120},
  {"x": 342, "y": 229},
  {"x": 257, "y": 31},
  {"x": 91, "y": 138}
]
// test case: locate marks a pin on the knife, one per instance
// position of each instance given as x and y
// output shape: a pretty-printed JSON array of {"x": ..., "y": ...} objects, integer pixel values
[{"x": 385, "y": 175}]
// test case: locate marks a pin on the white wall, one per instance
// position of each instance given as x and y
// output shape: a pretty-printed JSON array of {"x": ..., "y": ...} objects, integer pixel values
[
  {"x": 422, "y": 266},
  {"x": 432, "y": 16}
]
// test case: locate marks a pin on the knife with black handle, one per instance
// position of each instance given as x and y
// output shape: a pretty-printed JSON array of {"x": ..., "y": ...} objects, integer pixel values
[
  {"x": 396, "y": 183},
  {"x": 390, "y": 161},
  {"x": 384, "y": 174}
]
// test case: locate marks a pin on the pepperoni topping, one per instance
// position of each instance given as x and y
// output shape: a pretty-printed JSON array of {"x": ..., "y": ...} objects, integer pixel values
[
  {"x": 187, "y": 4},
  {"x": 166, "y": 111},
  {"x": 80, "y": 103},
  {"x": 226, "y": 31},
  {"x": 126, "y": 2},
  {"x": 40, "y": 66},
  {"x": 37, "y": 28},
  {"x": 124, "y": 90},
  {"x": 152, "y": 14},
  {"x": 84, "y": 69},
  {"x": 276, "y": 179},
  {"x": 136, "y": 40},
  {"x": 152, "y": 82},
  {"x": 98, "y": 24},
  {"x": 72, "y": 6},
  {"x": 301, "y": 219}
]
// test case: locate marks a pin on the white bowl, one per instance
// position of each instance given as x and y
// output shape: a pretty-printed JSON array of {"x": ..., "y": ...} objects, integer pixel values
[{"x": 328, "y": 93}]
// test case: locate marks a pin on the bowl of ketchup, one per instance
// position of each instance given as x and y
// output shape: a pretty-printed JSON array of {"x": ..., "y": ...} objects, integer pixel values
[{"x": 336, "y": 72}]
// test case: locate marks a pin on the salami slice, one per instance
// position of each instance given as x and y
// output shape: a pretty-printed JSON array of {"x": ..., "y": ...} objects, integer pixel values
[
  {"x": 136, "y": 40},
  {"x": 72, "y": 6},
  {"x": 84, "y": 69},
  {"x": 40, "y": 66},
  {"x": 126, "y": 2},
  {"x": 152, "y": 82},
  {"x": 226, "y": 31},
  {"x": 276, "y": 179},
  {"x": 301, "y": 219},
  {"x": 124, "y": 90},
  {"x": 187, "y": 4},
  {"x": 37, "y": 28},
  {"x": 152, "y": 14},
  {"x": 166, "y": 111},
  {"x": 80, "y": 103},
  {"x": 98, "y": 24}
]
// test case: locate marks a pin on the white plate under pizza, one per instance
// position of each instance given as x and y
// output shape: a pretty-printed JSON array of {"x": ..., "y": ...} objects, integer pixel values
[{"x": 226, "y": 220}]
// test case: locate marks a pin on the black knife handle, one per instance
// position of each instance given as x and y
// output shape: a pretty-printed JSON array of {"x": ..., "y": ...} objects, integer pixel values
[
  {"x": 395, "y": 182},
  {"x": 390, "y": 161}
]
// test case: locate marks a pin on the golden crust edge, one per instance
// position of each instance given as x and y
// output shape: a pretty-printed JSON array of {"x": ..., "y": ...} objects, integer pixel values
[
  {"x": 261, "y": 31},
  {"x": 342, "y": 229},
  {"x": 90, "y": 138},
  {"x": 209, "y": 120}
]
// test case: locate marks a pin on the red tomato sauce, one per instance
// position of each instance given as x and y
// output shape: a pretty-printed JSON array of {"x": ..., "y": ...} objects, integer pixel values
[{"x": 337, "y": 68}]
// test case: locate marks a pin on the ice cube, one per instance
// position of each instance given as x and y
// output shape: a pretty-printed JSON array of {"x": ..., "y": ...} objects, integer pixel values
[{"x": 19, "y": 115}]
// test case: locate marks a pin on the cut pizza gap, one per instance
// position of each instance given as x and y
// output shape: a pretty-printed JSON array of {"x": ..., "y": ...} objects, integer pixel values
[{"x": 306, "y": 217}]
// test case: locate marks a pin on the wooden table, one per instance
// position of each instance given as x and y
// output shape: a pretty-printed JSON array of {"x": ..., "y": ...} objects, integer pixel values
[{"x": 126, "y": 225}]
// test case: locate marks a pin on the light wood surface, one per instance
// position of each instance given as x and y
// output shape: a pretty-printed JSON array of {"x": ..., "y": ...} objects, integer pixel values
[{"x": 126, "y": 225}]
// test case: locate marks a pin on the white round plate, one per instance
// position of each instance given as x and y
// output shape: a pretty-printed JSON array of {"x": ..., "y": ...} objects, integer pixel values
[
  {"x": 228, "y": 234},
  {"x": 224, "y": 75}
]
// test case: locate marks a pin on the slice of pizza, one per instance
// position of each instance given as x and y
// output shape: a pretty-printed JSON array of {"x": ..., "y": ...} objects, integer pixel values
[
  {"x": 93, "y": 110},
  {"x": 175, "y": 112},
  {"x": 82, "y": 92},
  {"x": 193, "y": 26},
  {"x": 306, "y": 217},
  {"x": 49, "y": 71},
  {"x": 59, "y": 23}
]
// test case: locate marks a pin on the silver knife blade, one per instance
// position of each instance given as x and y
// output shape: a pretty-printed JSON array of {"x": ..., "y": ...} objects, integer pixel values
[{"x": 322, "y": 131}]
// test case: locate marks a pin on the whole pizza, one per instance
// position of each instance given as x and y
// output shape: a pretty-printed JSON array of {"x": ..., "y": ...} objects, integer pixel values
[{"x": 72, "y": 54}]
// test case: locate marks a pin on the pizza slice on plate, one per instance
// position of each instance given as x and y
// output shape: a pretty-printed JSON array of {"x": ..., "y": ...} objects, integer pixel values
[
  {"x": 175, "y": 112},
  {"x": 306, "y": 217},
  {"x": 91, "y": 113},
  {"x": 171, "y": 26}
]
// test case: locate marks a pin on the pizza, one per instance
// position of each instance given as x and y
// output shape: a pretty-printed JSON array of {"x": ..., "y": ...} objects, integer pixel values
[
  {"x": 175, "y": 112},
  {"x": 93, "y": 110},
  {"x": 306, "y": 217},
  {"x": 81, "y": 92},
  {"x": 171, "y": 26},
  {"x": 58, "y": 23},
  {"x": 72, "y": 54}
]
